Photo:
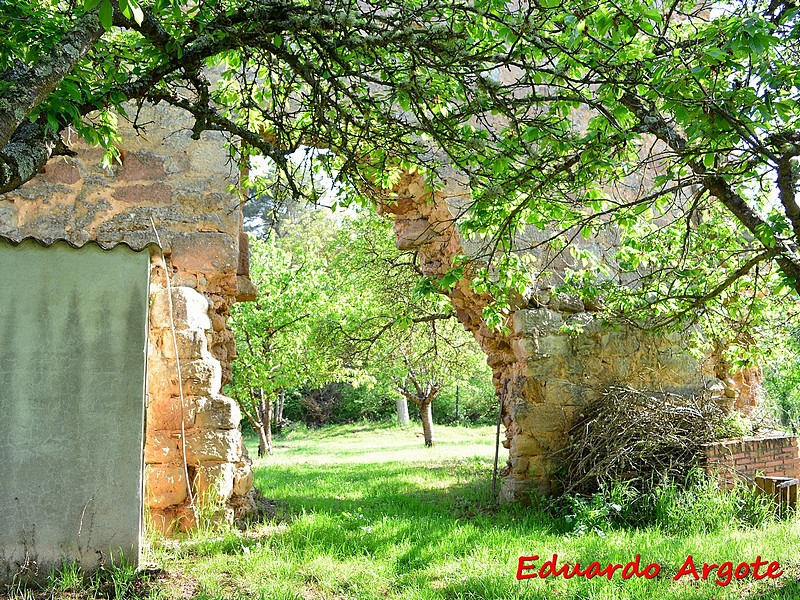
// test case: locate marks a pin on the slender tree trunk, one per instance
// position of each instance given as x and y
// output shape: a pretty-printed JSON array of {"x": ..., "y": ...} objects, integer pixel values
[
  {"x": 262, "y": 438},
  {"x": 279, "y": 407},
  {"x": 266, "y": 424},
  {"x": 426, "y": 413},
  {"x": 402, "y": 410}
]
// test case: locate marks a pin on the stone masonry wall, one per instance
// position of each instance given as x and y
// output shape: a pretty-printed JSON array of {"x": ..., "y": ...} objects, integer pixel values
[
  {"x": 569, "y": 358},
  {"x": 181, "y": 186},
  {"x": 557, "y": 356}
]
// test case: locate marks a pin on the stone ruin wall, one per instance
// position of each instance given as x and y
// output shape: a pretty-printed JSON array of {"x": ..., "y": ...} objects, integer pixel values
[
  {"x": 544, "y": 374},
  {"x": 182, "y": 185}
]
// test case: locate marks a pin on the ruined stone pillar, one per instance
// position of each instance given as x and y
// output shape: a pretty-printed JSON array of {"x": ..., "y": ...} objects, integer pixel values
[{"x": 555, "y": 359}]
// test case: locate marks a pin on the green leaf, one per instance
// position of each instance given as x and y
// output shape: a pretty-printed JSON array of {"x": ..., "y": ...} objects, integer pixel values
[
  {"x": 90, "y": 4},
  {"x": 106, "y": 14},
  {"x": 708, "y": 160},
  {"x": 135, "y": 10}
]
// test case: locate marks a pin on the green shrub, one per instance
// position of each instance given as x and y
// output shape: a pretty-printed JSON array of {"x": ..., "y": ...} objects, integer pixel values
[{"x": 694, "y": 506}]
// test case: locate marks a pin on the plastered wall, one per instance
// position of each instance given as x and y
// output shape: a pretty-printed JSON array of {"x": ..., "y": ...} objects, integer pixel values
[{"x": 73, "y": 335}]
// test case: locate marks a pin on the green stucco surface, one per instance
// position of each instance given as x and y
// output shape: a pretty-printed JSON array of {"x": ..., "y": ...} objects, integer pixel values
[{"x": 73, "y": 327}]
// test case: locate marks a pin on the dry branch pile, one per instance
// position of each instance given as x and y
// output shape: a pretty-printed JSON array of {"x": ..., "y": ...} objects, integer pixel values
[{"x": 639, "y": 437}]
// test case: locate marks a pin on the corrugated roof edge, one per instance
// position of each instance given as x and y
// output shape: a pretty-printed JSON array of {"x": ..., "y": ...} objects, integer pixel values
[{"x": 47, "y": 242}]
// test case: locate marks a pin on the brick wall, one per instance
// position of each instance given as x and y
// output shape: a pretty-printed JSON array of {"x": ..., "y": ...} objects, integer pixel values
[{"x": 774, "y": 455}]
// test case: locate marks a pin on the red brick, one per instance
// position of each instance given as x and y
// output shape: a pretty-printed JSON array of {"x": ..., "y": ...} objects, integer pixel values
[
  {"x": 141, "y": 166},
  {"x": 62, "y": 171}
]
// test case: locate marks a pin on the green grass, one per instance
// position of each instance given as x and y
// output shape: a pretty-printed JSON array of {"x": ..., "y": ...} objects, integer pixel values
[{"x": 366, "y": 512}]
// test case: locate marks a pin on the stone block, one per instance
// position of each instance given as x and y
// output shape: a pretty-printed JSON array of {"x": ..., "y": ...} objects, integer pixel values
[
  {"x": 217, "y": 412},
  {"x": 218, "y": 479},
  {"x": 161, "y": 448},
  {"x": 246, "y": 291},
  {"x": 214, "y": 446},
  {"x": 141, "y": 166},
  {"x": 192, "y": 344},
  {"x": 164, "y": 412},
  {"x": 207, "y": 158},
  {"x": 515, "y": 490},
  {"x": 414, "y": 233},
  {"x": 526, "y": 445},
  {"x": 567, "y": 303},
  {"x": 162, "y": 378},
  {"x": 189, "y": 309},
  {"x": 537, "y": 322},
  {"x": 554, "y": 345},
  {"x": 205, "y": 252},
  {"x": 201, "y": 377},
  {"x": 165, "y": 485},
  {"x": 243, "y": 481},
  {"x": 64, "y": 170}
]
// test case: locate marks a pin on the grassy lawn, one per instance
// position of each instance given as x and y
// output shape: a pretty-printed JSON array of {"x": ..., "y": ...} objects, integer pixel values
[{"x": 367, "y": 512}]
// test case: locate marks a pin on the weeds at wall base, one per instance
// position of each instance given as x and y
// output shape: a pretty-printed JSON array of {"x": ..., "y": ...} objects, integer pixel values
[
  {"x": 117, "y": 580},
  {"x": 697, "y": 505}
]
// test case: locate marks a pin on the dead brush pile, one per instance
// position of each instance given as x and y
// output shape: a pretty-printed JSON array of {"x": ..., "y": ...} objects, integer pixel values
[{"x": 639, "y": 437}]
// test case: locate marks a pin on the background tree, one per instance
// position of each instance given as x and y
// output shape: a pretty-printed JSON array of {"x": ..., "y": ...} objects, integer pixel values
[
  {"x": 401, "y": 336},
  {"x": 274, "y": 351}
]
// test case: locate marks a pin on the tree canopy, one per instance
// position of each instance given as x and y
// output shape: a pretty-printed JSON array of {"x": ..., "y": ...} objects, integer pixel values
[{"x": 676, "y": 122}]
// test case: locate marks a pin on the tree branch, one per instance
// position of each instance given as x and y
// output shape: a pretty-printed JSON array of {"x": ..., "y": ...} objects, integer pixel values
[{"x": 31, "y": 88}]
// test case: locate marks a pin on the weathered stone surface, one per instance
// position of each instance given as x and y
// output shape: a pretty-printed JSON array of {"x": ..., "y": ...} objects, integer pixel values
[
  {"x": 623, "y": 343},
  {"x": 245, "y": 290},
  {"x": 217, "y": 412},
  {"x": 205, "y": 253},
  {"x": 63, "y": 170},
  {"x": 141, "y": 166},
  {"x": 192, "y": 344},
  {"x": 215, "y": 481},
  {"x": 160, "y": 447},
  {"x": 417, "y": 233},
  {"x": 165, "y": 486},
  {"x": 144, "y": 194},
  {"x": 164, "y": 413},
  {"x": 537, "y": 321},
  {"x": 201, "y": 377},
  {"x": 243, "y": 481},
  {"x": 190, "y": 309},
  {"x": 162, "y": 378},
  {"x": 214, "y": 446},
  {"x": 535, "y": 418}
]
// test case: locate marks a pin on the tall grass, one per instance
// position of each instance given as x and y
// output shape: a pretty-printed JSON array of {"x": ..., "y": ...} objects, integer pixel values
[{"x": 366, "y": 512}]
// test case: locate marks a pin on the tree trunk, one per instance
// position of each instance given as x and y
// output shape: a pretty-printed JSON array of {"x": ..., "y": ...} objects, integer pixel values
[
  {"x": 262, "y": 439},
  {"x": 278, "y": 417},
  {"x": 402, "y": 410},
  {"x": 426, "y": 413},
  {"x": 266, "y": 424}
]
